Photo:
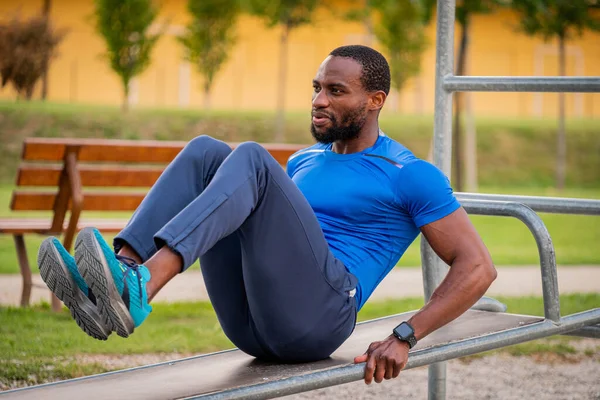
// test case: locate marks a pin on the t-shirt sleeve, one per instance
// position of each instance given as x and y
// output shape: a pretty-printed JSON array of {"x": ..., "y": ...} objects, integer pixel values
[
  {"x": 291, "y": 166},
  {"x": 424, "y": 192}
]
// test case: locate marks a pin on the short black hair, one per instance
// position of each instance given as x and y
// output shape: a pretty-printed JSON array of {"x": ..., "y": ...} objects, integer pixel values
[{"x": 375, "y": 69}]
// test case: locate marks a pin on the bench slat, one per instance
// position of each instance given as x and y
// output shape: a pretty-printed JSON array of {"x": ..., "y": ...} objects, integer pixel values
[
  {"x": 126, "y": 151},
  {"x": 35, "y": 175},
  {"x": 42, "y": 225},
  {"x": 108, "y": 201}
]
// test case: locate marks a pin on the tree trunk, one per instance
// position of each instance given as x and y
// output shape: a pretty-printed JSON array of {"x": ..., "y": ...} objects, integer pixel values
[
  {"x": 419, "y": 95},
  {"x": 394, "y": 99},
  {"x": 457, "y": 134},
  {"x": 281, "y": 86},
  {"x": 125, "y": 105},
  {"x": 561, "y": 148},
  {"x": 368, "y": 23},
  {"x": 207, "y": 95},
  {"x": 470, "y": 149},
  {"x": 471, "y": 181},
  {"x": 46, "y": 13}
]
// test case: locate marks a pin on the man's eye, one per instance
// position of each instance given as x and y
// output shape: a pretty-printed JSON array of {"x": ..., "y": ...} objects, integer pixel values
[
  {"x": 336, "y": 91},
  {"x": 316, "y": 88}
]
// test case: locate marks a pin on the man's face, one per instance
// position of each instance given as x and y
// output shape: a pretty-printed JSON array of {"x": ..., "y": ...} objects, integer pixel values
[{"x": 339, "y": 101}]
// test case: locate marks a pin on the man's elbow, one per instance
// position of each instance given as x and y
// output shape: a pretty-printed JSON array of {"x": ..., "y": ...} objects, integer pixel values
[{"x": 486, "y": 273}]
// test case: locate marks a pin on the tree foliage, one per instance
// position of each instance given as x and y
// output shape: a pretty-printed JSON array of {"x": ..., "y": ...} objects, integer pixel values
[
  {"x": 209, "y": 36},
  {"x": 399, "y": 27},
  {"x": 125, "y": 26},
  {"x": 464, "y": 8},
  {"x": 556, "y": 18},
  {"x": 26, "y": 48},
  {"x": 288, "y": 13},
  {"x": 400, "y": 30}
]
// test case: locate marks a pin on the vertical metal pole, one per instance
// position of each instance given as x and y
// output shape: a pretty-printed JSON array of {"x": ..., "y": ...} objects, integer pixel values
[{"x": 434, "y": 269}]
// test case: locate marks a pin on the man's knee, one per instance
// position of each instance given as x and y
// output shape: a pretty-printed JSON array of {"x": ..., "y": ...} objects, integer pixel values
[
  {"x": 203, "y": 146},
  {"x": 254, "y": 151}
]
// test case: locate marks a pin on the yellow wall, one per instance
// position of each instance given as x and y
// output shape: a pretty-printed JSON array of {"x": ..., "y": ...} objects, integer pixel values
[{"x": 248, "y": 80}]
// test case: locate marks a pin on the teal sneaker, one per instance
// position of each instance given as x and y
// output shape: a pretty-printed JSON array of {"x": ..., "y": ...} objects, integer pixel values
[
  {"x": 58, "y": 270},
  {"x": 118, "y": 283}
]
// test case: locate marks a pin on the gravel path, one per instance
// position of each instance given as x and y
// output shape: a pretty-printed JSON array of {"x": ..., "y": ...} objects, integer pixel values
[{"x": 494, "y": 377}]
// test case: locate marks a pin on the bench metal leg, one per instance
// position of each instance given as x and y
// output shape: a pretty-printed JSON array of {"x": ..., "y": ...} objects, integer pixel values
[{"x": 25, "y": 270}]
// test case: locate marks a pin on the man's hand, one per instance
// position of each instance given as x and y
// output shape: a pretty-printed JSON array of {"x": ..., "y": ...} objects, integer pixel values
[{"x": 384, "y": 359}]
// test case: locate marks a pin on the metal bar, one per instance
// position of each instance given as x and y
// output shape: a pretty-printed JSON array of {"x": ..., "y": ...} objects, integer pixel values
[
  {"x": 444, "y": 65},
  {"x": 462, "y": 348},
  {"x": 436, "y": 381},
  {"x": 560, "y": 205},
  {"x": 542, "y": 239},
  {"x": 434, "y": 269},
  {"x": 521, "y": 84},
  {"x": 588, "y": 332}
]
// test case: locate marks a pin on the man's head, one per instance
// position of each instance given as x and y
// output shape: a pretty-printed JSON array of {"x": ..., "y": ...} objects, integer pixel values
[{"x": 350, "y": 88}]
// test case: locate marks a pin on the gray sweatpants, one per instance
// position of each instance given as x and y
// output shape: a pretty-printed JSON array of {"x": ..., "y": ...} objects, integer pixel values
[{"x": 278, "y": 291}]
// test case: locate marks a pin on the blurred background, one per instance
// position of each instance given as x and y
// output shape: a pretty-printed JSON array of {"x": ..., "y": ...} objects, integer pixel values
[
  {"x": 249, "y": 77},
  {"x": 242, "y": 70}
]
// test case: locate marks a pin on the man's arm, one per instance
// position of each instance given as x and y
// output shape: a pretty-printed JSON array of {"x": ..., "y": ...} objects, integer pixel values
[{"x": 455, "y": 241}]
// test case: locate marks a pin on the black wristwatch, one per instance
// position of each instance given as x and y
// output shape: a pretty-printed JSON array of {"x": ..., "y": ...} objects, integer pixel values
[{"x": 406, "y": 333}]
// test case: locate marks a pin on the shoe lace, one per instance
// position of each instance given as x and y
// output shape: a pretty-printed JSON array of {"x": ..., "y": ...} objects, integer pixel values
[{"x": 131, "y": 265}]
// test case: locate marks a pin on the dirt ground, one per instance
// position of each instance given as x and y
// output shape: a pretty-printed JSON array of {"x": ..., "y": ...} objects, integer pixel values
[{"x": 495, "y": 377}]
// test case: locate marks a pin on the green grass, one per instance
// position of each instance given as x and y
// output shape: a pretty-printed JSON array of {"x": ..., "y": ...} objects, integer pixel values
[
  {"x": 41, "y": 345},
  {"x": 38, "y": 344},
  {"x": 509, "y": 241}
]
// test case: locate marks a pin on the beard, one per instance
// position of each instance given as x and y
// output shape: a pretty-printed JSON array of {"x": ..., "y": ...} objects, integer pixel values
[{"x": 349, "y": 128}]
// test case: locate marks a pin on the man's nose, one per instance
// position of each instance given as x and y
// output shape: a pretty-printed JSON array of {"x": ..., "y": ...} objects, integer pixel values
[{"x": 320, "y": 99}]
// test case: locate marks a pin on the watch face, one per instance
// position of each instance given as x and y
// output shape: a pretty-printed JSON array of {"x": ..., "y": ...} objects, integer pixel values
[{"x": 404, "y": 330}]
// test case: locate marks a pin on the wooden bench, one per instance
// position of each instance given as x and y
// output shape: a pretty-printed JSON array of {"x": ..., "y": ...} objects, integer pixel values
[{"x": 69, "y": 176}]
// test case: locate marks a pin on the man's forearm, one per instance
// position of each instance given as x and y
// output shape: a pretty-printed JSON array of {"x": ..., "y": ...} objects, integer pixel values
[{"x": 464, "y": 284}]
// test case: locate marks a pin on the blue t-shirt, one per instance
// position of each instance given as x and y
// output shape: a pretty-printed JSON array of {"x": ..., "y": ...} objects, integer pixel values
[{"x": 371, "y": 204}]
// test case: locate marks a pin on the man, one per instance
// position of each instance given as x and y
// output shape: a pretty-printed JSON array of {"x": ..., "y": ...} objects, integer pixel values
[{"x": 288, "y": 260}]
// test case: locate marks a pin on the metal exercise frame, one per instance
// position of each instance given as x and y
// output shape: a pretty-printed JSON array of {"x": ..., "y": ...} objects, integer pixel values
[
  {"x": 580, "y": 324},
  {"x": 445, "y": 84}
]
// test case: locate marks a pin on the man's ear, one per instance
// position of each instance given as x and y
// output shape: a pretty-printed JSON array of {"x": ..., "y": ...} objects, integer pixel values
[{"x": 377, "y": 100}]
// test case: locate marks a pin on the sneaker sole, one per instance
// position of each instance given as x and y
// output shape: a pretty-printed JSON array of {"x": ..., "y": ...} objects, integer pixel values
[
  {"x": 59, "y": 280},
  {"x": 96, "y": 273}
]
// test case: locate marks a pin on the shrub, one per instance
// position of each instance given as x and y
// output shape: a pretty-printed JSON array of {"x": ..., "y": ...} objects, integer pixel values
[{"x": 26, "y": 48}]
